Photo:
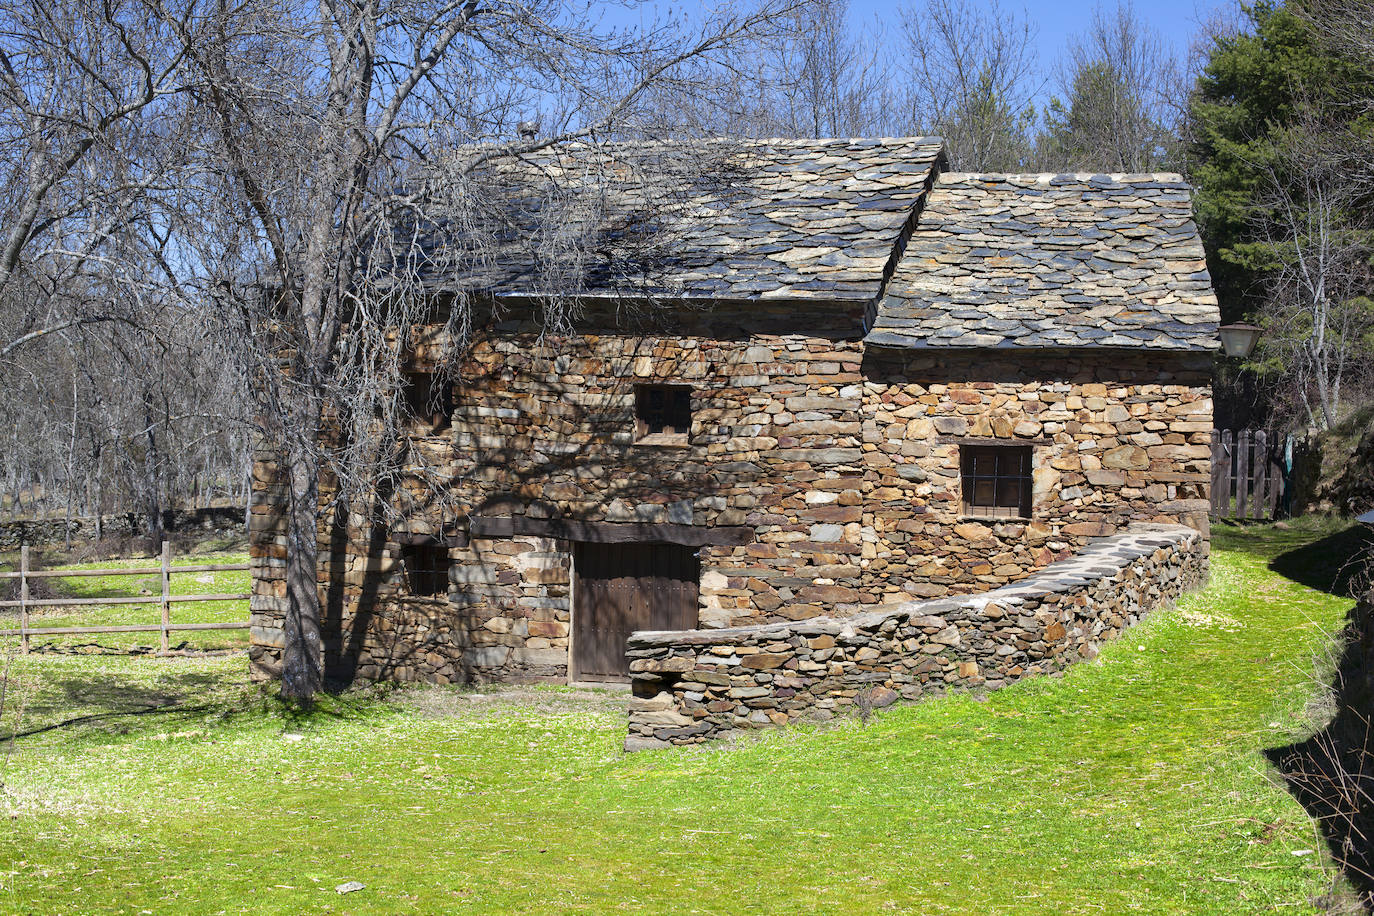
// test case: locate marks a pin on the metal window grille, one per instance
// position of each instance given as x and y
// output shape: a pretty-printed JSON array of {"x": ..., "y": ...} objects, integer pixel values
[
  {"x": 996, "y": 479},
  {"x": 426, "y": 569}
]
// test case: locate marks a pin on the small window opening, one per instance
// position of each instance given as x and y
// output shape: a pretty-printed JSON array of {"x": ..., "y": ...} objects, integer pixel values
[
  {"x": 426, "y": 569},
  {"x": 663, "y": 413},
  {"x": 996, "y": 480},
  {"x": 429, "y": 401}
]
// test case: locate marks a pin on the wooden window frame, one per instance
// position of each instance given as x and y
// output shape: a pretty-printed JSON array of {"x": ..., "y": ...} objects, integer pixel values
[
  {"x": 1003, "y": 479},
  {"x": 670, "y": 425},
  {"x": 426, "y": 569},
  {"x": 431, "y": 412}
]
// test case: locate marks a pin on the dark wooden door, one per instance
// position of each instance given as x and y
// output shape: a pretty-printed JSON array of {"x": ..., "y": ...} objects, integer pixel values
[{"x": 626, "y": 587}]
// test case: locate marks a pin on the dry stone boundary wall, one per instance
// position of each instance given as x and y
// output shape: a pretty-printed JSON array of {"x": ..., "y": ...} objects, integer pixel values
[
  {"x": 41, "y": 532},
  {"x": 698, "y": 685}
]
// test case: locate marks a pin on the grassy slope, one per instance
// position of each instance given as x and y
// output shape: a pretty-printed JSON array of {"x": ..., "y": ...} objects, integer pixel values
[{"x": 1130, "y": 785}]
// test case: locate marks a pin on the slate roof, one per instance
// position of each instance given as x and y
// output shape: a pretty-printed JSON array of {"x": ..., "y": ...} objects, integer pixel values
[
  {"x": 773, "y": 219},
  {"x": 1007, "y": 261}
]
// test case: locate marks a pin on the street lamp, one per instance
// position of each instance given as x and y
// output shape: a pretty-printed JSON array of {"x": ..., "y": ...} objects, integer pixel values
[{"x": 1239, "y": 339}]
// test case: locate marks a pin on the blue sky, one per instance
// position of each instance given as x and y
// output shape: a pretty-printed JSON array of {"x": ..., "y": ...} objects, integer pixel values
[{"x": 1175, "y": 21}]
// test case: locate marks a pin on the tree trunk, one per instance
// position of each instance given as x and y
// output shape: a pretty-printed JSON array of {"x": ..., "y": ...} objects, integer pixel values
[
  {"x": 303, "y": 657},
  {"x": 152, "y": 501},
  {"x": 71, "y": 471}
]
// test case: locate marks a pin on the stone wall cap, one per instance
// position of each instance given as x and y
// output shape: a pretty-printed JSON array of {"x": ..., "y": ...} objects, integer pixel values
[{"x": 1100, "y": 559}]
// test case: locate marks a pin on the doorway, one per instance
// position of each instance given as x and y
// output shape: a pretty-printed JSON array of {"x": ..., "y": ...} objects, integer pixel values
[{"x": 621, "y": 588}]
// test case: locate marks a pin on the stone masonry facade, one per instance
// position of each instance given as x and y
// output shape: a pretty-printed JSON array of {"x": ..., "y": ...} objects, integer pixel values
[
  {"x": 702, "y": 685},
  {"x": 845, "y": 332},
  {"x": 843, "y": 464}
]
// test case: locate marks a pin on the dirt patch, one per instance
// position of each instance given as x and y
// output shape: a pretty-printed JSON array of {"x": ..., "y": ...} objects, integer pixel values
[{"x": 496, "y": 701}]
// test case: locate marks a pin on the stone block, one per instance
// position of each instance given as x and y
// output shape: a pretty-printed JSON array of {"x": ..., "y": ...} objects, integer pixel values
[
  {"x": 636, "y": 743},
  {"x": 667, "y": 716},
  {"x": 539, "y": 657},
  {"x": 765, "y": 660},
  {"x": 663, "y": 665},
  {"x": 827, "y": 533},
  {"x": 273, "y": 637},
  {"x": 489, "y": 657},
  {"x": 1126, "y": 457}
]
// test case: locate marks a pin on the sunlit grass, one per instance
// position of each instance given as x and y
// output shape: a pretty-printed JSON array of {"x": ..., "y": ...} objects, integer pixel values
[{"x": 1132, "y": 784}]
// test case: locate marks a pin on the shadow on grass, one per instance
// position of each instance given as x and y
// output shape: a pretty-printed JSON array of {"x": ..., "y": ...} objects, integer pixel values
[
  {"x": 115, "y": 705},
  {"x": 1338, "y": 564},
  {"x": 111, "y": 700},
  {"x": 1331, "y": 774},
  {"x": 1326, "y": 553}
]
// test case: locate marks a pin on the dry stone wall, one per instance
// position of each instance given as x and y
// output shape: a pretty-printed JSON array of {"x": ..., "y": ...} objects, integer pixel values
[
  {"x": 222, "y": 520},
  {"x": 695, "y": 686},
  {"x": 1116, "y": 438},
  {"x": 842, "y": 462}
]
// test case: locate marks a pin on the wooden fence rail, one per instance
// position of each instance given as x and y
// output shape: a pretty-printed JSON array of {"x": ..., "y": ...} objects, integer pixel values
[
  {"x": 1250, "y": 473},
  {"x": 165, "y": 571}
]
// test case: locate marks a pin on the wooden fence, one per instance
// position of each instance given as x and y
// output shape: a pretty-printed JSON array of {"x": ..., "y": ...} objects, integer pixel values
[
  {"x": 165, "y": 602},
  {"x": 1250, "y": 473}
]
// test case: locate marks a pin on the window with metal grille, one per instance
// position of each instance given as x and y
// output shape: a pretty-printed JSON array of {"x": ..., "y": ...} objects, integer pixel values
[
  {"x": 996, "y": 479},
  {"x": 426, "y": 569},
  {"x": 429, "y": 401},
  {"x": 663, "y": 413}
]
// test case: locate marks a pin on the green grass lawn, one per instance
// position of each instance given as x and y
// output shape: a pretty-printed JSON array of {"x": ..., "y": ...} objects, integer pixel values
[
  {"x": 207, "y": 583},
  {"x": 1133, "y": 784}
]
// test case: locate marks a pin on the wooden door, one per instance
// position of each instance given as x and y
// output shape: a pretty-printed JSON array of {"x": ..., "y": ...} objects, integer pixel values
[{"x": 626, "y": 587}]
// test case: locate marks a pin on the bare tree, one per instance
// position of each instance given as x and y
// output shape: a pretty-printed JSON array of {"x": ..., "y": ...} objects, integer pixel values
[
  {"x": 1120, "y": 102},
  {"x": 972, "y": 75},
  {"x": 78, "y": 82},
  {"x": 131, "y": 416},
  {"x": 812, "y": 73},
  {"x": 1345, "y": 24},
  {"x": 311, "y": 223},
  {"x": 1318, "y": 242},
  {"x": 830, "y": 82}
]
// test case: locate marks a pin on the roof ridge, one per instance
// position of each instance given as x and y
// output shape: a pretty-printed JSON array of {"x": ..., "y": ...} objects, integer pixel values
[{"x": 952, "y": 176}]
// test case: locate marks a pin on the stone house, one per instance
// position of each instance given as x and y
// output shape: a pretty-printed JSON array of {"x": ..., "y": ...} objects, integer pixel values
[{"x": 858, "y": 379}]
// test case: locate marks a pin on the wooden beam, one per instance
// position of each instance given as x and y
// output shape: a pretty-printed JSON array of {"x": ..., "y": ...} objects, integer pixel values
[
  {"x": 164, "y": 637},
  {"x": 149, "y": 599},
  {"x": 141, "y": 571},
  {"x": 448, "y": 539},
  {"x": 24, "y": 599},
  {"x": 990, "y": 440},
  {"x": 504, "y": 526},
  {"x": 131, "y": 628}
]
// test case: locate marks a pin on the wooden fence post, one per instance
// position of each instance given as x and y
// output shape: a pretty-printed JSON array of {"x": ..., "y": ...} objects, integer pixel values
[
  {"x": 1228, "y": 458},
  {"x": 166, "y": 593},
  {"x": 24, "y": 599},
  {"x": 1214, "y": 490},
  {"x": 1242, "y": 474}
]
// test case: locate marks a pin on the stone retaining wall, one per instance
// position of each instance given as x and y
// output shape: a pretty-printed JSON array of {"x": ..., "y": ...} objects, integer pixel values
[
  {"x": 38, "y": 532},
  {"x": 697, "y": 685}
]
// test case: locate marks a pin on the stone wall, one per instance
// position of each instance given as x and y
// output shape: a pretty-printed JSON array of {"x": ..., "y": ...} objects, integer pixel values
[
  {"x": 1116, "y": 438},
  {"x": 694, "y": 686},
  {"x": 267, "y": 557},
  {"x": 506, "y": 618},
  {"x": 841, "y": 462},
  {"x": 226, "y": 520}
]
